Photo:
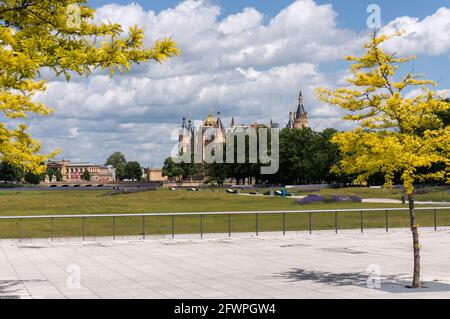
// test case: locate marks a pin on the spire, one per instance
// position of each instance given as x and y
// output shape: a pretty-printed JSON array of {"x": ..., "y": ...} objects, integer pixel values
[
  {"x": 232, "y": 122},
  {"x": 300, "y": 109},
  {"x": 290, "y": 123},
  {"x": 219, "y": 121},
  {"x": 190, "y": 127},
  {"x": 183, "y": 124}
]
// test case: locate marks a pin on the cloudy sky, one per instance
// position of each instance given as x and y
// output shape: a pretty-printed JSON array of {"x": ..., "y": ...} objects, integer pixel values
[{"x": 246, "y": 58}]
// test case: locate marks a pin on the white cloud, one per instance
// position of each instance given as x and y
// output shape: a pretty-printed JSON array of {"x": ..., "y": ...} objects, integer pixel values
[
  {"x": 244, "y": 21},
  {"x": 430, "y": 35}
]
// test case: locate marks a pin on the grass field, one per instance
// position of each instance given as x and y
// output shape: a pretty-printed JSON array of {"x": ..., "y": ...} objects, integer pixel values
[{"x": 62, "y": 202}]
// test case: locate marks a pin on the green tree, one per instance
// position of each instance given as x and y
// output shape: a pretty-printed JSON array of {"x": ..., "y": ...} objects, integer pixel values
[
  {"x": 218, "y": 172},
  {"x": 59, "y": 36},
  {"x": 396, "y": 135},
  {"x": 86, "y": 176},
  {"x": 133, "y": 171},
  {"x": 10, "y": 173},
  {"x": 58, "y": 176},
  {"x": 174, "y": 169},
  {"x": 306, "y": 156},
  {"x": 170, "y": 169},
  {"x": 118, "y": 161},
  {"x": 52, "y": 172}
]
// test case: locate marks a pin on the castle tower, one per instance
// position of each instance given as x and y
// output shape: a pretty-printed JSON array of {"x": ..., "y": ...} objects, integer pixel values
[
  {"x": 185, "y": 137},
  {"x": 220, "y": 130},
  {"x": 299, "y": 119},
  {"x": 290, "y": 123}
]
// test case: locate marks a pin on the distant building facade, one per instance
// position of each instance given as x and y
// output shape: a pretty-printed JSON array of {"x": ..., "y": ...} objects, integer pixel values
[
  {"x": 155, "y": 175},
  {"x": 73, "y": 171}
]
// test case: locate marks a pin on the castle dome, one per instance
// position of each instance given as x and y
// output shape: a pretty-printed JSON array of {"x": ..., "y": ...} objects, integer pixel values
[{"x": 210, "y": 121}]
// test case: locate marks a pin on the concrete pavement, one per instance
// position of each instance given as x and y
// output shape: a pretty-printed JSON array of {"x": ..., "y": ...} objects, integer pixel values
[{"x": 322, "y": 265}]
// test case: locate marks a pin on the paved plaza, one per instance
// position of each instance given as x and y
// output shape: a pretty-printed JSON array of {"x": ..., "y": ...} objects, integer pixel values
[{"x": 322, "y": 265}]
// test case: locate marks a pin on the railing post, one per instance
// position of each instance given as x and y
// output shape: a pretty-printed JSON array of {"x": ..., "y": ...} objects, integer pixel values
[
  {"x": 82, "y": 226},
  {"x": 143, "y": 227},
  {"x": 336, "y": 221},
  {"x": 114, "y": 227},
  {"x": 284, "y": 224},
  {"x": 229, "y": 225},
  {"x": 257, "y": 224},
  {"x": 51, "y": 228},
  {"x": 20, "y": 230},
  {"x": 387, "y": 220},
  {"x": 310, "y": 223},
  {"x": 173, "y": 226},
  {"x": 435, "y": 219},
  {"x": 201, "y": 226},
  {"x": 362, "y": 221}
]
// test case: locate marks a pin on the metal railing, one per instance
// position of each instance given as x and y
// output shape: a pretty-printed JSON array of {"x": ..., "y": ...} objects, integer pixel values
[{"x": 201, "y": 216}]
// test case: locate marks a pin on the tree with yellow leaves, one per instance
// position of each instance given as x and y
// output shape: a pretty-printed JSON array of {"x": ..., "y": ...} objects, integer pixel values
[
  {"x": 60, "y": 36},
  {"x": 397, "y": 136}
]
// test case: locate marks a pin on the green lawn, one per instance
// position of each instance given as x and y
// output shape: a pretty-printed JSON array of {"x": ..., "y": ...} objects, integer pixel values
[{"x": 59, "y": 202}]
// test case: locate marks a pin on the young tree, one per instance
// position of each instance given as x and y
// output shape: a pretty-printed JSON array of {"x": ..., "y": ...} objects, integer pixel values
[
  {"x": 56, "y": 35},
  {"x": 396, "y": 135}
]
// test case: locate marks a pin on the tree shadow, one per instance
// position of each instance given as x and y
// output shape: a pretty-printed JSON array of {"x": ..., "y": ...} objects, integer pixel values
[
  {"x": 12, "y": 286},
  {"x": 388, "y": 283}
]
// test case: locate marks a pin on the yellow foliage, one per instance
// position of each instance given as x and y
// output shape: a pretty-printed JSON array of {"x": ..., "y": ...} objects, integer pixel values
[
  {"x": 58, "y": 35},
  {"x": 396, "y": 136}
]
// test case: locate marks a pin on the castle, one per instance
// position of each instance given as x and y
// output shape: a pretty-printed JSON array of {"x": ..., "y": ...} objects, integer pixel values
[
  {"x": 299, "y": 119},
  {"x": 216, "y": 128}
]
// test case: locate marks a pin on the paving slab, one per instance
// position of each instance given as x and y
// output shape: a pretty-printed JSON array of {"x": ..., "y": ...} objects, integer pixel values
[{"x": 299, "y": 265}]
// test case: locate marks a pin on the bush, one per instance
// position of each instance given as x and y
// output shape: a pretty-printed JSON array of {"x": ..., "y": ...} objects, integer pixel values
[
  {"x": 32, "y": 178},
  {"x": 309, "y": 199}
]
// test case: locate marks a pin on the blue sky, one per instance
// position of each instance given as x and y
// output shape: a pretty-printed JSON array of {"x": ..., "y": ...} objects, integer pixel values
[{"x": 247, "y": 59}]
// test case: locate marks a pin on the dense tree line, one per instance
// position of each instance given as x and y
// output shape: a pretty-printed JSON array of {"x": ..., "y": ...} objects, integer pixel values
[
  {"x": 10, "y": 173},
  {"x": 124, "y": 170},
  {"x": 306, "y": 156}
]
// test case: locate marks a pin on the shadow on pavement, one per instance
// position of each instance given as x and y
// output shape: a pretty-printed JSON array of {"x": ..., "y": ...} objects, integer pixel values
[
  {"x": 11, "y": 286},
  {"x": 391, "y": 283}
]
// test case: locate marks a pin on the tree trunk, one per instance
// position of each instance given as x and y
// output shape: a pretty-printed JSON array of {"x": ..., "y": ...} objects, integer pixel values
[{"x": 416, "y": 244}]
